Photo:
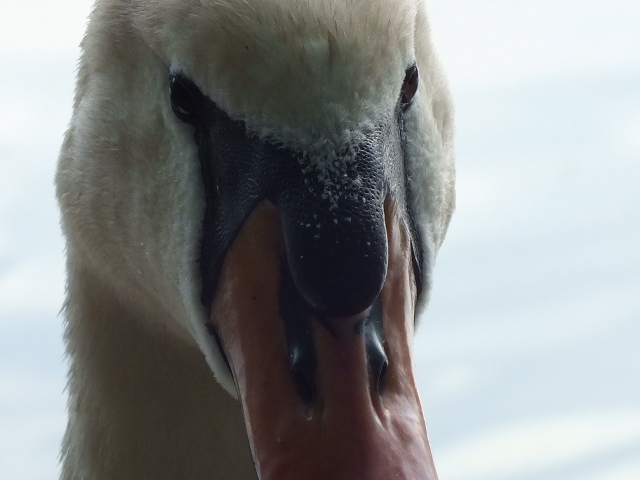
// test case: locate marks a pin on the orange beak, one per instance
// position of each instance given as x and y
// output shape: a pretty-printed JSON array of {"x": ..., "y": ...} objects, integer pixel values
[{"x": 352, "y": 430}]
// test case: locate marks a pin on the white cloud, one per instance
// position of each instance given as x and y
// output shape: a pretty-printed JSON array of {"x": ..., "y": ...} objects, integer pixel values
[
  {"x": 32, "y": 285},
  {"x": 35, "y": 27},
  {"x": 454, "y": 381},
  {"x": 540, "y": 444},
  {"x": 503, "y": 326},
  {"x": 629, "y": 470},
  {"x": 499, "y": 43}
]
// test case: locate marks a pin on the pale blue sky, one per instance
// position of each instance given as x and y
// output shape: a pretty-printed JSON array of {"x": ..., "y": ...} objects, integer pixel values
[{"x": 529, "y": 354}]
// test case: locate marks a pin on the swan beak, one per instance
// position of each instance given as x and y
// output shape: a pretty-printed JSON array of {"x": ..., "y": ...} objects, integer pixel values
[{"x": 353, "y": 410}]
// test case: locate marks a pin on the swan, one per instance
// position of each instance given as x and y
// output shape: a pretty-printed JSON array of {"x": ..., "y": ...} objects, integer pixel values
[{"x": 253, "y": 193}]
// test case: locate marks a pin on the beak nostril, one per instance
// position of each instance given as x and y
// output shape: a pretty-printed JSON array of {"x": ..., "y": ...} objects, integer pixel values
[
  {"x": 303, "y": 376},
  {"x": 374, "y": 339},
  {"x": 380, "y": 376},
  {"x": 297, "y": 317}
]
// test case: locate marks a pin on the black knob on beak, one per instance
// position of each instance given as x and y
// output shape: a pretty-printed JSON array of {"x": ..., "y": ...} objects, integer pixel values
[{"x": 335, "y": 235}]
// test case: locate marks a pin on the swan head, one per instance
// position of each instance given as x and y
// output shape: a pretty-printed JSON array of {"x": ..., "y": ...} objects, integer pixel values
[{"x": 271, "y": 182}]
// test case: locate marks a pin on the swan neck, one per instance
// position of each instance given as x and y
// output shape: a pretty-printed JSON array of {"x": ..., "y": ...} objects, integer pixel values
[{"x": 142, "y": 402}]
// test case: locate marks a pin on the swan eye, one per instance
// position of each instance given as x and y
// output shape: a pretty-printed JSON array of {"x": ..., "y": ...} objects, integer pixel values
[
  {"x": 186, "y": 99},
  {"x": 409, "y": 86}
]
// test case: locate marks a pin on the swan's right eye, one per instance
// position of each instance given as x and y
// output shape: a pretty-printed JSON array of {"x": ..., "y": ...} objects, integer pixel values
[
  {"x": 186, "y": 99},
  {"x": 409, "y": 86}
]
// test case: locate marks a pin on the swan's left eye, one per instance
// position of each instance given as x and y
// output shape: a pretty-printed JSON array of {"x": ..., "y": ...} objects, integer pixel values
[
  {"x": 186, "y": 99},
  {"x": 409, "y": 86}
]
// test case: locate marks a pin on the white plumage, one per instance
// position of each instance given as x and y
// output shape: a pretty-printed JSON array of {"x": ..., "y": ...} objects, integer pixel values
[{"x": 311, "y": 75}]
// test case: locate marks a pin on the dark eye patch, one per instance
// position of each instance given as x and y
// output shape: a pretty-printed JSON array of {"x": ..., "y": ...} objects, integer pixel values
[
  {"x": 409, "y": 86},
  {"x": 186, "y": 98}
]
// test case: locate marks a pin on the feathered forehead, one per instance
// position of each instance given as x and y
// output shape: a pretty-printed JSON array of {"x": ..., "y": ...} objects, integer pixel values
[{"x": 288, "y": 64}]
